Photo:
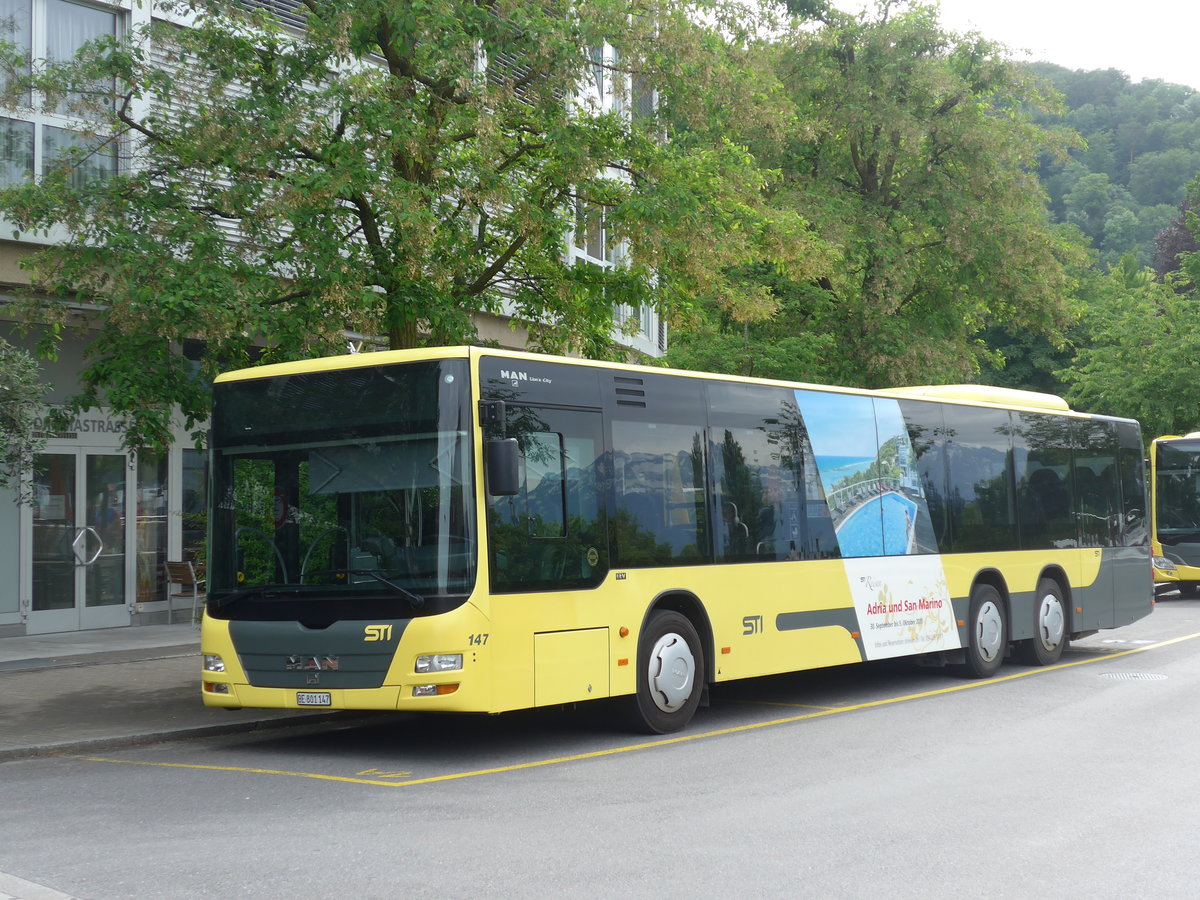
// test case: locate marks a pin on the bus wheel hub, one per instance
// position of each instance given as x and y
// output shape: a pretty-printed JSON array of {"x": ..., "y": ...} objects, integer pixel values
[{"x": 672, "y": 672}]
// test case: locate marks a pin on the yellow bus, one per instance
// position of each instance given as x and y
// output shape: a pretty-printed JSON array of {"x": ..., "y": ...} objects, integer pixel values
[
  {"x": 1175, "y": 513},
  {"x": 475, "y": 530}
]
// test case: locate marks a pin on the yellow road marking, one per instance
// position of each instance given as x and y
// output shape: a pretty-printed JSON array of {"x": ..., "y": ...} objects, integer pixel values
[
  {"x": 240, "y": 769},
  {"x": 817, "y": 713}
]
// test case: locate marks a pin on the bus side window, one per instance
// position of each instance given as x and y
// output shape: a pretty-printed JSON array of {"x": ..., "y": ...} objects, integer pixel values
[
  {"x": 766, "y": 494},
  {"x": 658, "y": 510},
  {"x": 1134, "y": 532},
  {"x": 926, "y": 426},
  {"x": 1096, "y": 484},
  {"x": 1047, "y": 489},
  {"x": 551, "y": 534},
  {"x": 981, "y": 484}
]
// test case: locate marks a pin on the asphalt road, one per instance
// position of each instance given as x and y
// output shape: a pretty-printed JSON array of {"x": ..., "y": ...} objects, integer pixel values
[{"x": 879, "y": 781}]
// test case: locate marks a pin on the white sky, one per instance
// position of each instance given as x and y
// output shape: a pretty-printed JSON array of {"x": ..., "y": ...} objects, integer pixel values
[{"x": 1144, "y": 39}]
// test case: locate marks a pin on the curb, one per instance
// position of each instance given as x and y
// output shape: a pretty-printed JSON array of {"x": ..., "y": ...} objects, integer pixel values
[
  {"x": 74, "y": 748},
  {"x": 103, "y": 658}
]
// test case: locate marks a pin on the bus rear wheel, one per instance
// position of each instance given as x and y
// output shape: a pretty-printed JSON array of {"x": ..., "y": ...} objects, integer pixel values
[
  {"x": 670, "y": 674},
  {"x": 987, "y": 637},
  {"x": 1050, "y": 633}
]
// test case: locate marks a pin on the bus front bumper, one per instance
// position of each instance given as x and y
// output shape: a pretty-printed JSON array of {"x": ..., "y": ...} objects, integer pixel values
[
  {"x": 1169, "y": 575},
  {"x": 441, "y": 696}
]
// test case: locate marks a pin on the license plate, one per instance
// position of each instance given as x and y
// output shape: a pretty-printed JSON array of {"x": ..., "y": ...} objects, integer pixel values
[{"x": 313, "y": 698}]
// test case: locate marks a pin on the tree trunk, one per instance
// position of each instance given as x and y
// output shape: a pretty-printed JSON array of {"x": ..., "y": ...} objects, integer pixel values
[{"x": 402, "y": 336}]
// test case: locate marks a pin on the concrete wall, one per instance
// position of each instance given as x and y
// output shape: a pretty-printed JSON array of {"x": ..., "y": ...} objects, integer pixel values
[
  {"x": 10, "y": 519},
  {"x": 63, "y": 373}
]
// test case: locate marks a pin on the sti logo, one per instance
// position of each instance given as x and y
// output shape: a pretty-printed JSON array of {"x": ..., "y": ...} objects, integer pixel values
[{"x": 377, "y": 633}]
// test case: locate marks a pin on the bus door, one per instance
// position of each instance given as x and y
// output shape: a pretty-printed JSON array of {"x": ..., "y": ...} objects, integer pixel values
[{"x": 548, "y": 547}]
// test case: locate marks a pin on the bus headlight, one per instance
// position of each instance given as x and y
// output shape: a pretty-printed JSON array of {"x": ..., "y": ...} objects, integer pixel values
[
  {"x": 433, "y": 690},
  {"x": 440, "y": 662},
  {"x": 1161, "y": 562},
  {"x": 213, "y": 663}
]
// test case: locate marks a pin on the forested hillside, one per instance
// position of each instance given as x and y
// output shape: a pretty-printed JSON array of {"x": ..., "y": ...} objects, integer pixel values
[{"x": 1141, "y": 146}]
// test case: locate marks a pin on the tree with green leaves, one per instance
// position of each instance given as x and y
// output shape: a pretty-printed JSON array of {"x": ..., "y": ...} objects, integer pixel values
[
  {"x": 1171, "y": 242},
  {"x": 21, "y": 396},
  {"x": 390, "y": 169},
  {"x": 1189, "y": 259},
  {"x": 1143, "y": 338},
  {"x": 789, "y": 339},
  {"x": 912, "y": 152}
]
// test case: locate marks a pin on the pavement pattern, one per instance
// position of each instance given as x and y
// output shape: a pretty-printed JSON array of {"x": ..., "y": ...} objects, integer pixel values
[{"x": 85, "y": 691}]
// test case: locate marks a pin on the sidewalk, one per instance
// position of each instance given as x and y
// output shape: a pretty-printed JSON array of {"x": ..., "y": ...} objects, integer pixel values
[{"x": 91, "y": 690}]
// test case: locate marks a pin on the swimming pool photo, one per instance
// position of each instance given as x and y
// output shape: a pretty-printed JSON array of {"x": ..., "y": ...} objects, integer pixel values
[{"x": 882, "y": 526}]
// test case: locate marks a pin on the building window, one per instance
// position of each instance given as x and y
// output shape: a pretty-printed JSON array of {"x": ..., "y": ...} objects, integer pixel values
[
  {"x": 592, "y": 245},
  {"x": 289, "y": 12},
  {"x": 33, "y": 137},
  {"x": 195, "y": 504},
  {"x": 637, "y": 323},
  {"x": 598, "y": 64},
  {"x": 590, "y": 235},
  {"x": 643, "y": 102}
]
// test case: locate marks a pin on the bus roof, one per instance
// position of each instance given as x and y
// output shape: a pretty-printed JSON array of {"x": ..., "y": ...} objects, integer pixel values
[
  {"x": 345, "y": 361},
  {"x": 984, "y": 393},
  {"x": 963, "y": 393}
]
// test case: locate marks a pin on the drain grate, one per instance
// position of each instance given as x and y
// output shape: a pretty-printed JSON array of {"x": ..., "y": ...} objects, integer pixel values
[{"x": 1134, "y": 676}]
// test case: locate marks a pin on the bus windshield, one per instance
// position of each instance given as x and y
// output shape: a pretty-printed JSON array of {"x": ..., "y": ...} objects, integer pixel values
[
  {"x": 1178, "y": 491},
  {"x": 342, "y": 485}
]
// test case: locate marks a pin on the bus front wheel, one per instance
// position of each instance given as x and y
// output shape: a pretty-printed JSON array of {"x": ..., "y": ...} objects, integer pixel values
[
  {"x": 987, "y": 637},
  {"x": 1050, "y": 632},
  {"x": 669, "y": 675}
]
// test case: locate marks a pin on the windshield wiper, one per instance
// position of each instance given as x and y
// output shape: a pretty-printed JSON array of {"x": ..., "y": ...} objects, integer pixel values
[
  {"x": 416, "y": 599},
  {"x": 265, "y": 593}
]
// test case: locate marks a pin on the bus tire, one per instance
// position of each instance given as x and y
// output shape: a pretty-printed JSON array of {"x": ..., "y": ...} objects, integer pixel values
[
  {"x": 987, "y": 633},
  {"x": 670, "y": 674},
  {"x": 1050, "y": 630}
]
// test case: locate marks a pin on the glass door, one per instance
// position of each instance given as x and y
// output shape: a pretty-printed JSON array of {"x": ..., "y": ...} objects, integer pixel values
[
  {"x": 104, "y": 563},
  {"x": 55, "y": 538},
  {"x": 80, "y": 525}
]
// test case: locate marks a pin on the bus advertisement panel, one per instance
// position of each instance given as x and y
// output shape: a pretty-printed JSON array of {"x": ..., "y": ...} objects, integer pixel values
[{"x": 474, "y": 530}]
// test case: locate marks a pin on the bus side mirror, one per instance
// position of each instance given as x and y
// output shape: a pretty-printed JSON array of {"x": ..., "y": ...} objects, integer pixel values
[{"x": 500, "y": 462}]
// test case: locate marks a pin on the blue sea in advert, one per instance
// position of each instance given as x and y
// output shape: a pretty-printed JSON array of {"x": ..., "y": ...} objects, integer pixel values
[{"x": 834, "y": 468}]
